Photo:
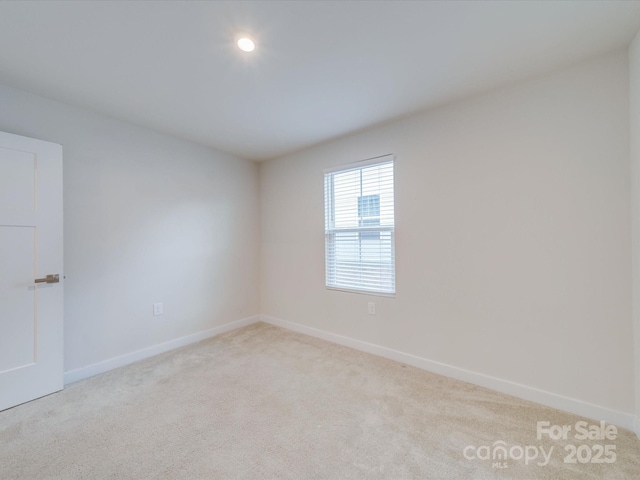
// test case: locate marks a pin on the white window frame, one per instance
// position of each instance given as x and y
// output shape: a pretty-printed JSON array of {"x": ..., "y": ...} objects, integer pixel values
[{"x": 329, "y": 231}]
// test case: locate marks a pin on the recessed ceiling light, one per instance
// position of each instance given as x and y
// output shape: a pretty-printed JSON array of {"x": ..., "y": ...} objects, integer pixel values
[{"x": 246, "y": 44}]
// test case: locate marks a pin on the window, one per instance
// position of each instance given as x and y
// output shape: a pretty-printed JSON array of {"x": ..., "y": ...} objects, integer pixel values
[{"x": 359, "y": 227}]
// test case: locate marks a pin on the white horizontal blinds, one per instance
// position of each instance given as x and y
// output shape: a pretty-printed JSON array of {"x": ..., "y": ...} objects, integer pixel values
[{"x": 359, "y": 227}]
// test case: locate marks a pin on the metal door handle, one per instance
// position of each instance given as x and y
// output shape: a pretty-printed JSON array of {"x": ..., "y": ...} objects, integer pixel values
[{"x": 48, "y": 279}]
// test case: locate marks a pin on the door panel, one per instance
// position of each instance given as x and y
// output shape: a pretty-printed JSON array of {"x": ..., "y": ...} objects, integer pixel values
[
  {"x": 17, "y": 303},
  {"x": 17, "y": 182}
]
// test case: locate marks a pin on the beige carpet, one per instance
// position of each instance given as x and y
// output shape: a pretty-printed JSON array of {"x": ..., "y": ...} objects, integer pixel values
[{"x": 266, "y": 403}]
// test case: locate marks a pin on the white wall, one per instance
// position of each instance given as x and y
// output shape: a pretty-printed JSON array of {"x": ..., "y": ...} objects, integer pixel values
[
  {"x": 512, "y": 236},
  {"x": 148, "y": 218},
  {"x": 634, "y": 110}
]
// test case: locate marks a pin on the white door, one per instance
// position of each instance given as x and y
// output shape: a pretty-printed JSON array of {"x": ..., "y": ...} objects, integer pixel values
[{"x": 31, "y": 356}]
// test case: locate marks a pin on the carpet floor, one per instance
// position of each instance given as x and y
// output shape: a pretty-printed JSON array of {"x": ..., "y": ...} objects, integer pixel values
[{"x": 266, "y": 403}]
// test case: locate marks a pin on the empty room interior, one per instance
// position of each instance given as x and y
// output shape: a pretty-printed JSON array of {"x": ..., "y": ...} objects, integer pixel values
[{"x": 320, "y": 239}]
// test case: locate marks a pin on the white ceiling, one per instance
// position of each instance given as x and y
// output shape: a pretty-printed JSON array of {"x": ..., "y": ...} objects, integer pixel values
[{"x": 321, "y": 69}]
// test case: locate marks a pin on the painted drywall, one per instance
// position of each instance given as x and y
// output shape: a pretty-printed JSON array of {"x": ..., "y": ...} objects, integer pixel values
[
  {"x": 634, "y": 117},
  {"x": 147, "y": 218},
  {"x": 513, "y": 242}
]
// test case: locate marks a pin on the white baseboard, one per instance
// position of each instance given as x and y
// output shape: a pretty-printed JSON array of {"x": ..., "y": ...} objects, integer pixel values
[
  {"x": 111, "y": 363},
  {"x": 549, "y": 399}
]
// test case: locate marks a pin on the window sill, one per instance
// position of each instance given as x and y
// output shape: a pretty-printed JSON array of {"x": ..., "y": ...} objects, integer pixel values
[{"x": 362, "y": 292}]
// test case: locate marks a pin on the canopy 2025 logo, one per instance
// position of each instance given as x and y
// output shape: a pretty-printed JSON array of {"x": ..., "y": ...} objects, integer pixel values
[{"x": 602, "y": 452}]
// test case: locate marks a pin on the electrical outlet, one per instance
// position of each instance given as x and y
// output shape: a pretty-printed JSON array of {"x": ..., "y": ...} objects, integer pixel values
[
  {"x": 372, "y": 308},
  {"x": 158, "y": 309}
]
